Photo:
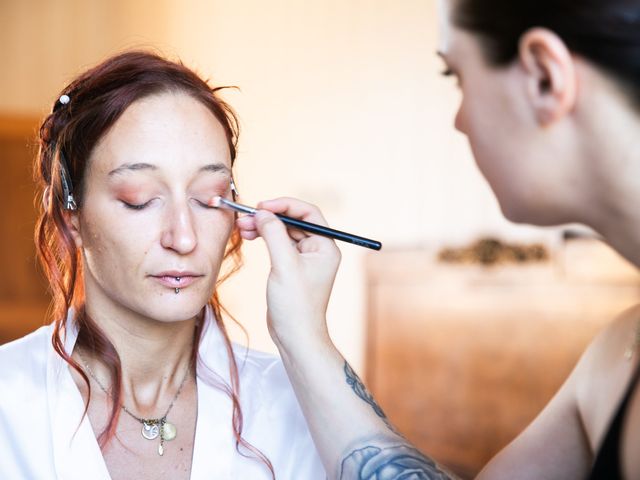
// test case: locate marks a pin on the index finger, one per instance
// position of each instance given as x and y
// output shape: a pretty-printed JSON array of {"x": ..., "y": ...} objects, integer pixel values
[{"x": 294, "y": 208}]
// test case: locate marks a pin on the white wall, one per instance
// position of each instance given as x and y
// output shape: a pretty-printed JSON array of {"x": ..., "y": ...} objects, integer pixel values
[{"x": 341, "y": 105}]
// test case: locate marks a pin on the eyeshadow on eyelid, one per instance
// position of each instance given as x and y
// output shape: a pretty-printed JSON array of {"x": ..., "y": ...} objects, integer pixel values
[{"x": 130, "y": 194}]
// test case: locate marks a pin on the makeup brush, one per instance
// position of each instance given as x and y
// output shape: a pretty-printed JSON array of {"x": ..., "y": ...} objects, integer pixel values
[{"x": 220, "y": 202}]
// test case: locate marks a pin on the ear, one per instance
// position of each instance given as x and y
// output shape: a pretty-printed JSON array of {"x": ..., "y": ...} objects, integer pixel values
[
  {"x": 550, "y": 74},
  {"x": 73, "y": 221},
  {"x": 72, "y": 218}
]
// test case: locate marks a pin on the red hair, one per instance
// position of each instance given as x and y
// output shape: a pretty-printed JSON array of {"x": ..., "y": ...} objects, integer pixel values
[{"x": 98, "y": 98}]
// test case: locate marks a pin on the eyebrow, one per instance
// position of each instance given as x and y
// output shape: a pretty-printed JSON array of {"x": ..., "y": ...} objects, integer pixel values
[{"x": 133, "y": 167}]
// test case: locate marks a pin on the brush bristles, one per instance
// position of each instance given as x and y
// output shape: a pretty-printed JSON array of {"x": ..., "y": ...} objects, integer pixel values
[{"x": 216, "y": 202}]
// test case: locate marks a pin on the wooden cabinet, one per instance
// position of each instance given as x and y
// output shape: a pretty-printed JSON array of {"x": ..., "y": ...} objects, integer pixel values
[
  {"x": 23, "y": 297},
  {"x": 463, "y": 357}
]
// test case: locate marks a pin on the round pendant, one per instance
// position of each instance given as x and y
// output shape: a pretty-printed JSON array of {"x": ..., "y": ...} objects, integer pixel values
[
  {"x": 169, "y": 431},
  {"x": 150, "y": 431}
]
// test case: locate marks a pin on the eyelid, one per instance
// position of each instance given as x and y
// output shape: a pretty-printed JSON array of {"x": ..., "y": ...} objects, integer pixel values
[
  {"x": 202, "y": 204},
  {"x": 141, "y": 206},
  {"x": 136, "y": 206},
  {"x": 447, "y": 72}
]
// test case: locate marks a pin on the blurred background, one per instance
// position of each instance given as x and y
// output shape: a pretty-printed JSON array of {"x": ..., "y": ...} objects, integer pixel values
[{"x": 464, "y": 324}]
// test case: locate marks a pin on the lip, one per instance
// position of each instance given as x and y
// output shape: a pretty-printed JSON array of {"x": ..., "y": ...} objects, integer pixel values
[{"x": 176, "y": 279}]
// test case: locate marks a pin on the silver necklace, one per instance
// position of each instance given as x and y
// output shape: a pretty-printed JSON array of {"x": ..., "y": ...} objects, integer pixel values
[{"x": 152, "y": 428}]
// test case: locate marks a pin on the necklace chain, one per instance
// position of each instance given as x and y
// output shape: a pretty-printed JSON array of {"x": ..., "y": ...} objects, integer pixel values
[{"x": 151, "y": 427}]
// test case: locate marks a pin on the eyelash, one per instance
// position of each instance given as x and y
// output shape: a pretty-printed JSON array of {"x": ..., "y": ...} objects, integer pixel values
[
  {"x": 142, "y": 206},
  {"x": 132, "y": 206},
  {"x": 447, "y": 72}
]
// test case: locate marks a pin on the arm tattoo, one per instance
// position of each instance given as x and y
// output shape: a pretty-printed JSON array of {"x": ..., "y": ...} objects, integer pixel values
[
  {"x": 385, "y": 460},
  {"x": 360, "y": 390},
  {"x": 393, "y": 462}
]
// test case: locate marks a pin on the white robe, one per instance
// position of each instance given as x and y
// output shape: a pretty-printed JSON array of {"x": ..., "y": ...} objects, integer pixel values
[{"x": 41, "y": 406}]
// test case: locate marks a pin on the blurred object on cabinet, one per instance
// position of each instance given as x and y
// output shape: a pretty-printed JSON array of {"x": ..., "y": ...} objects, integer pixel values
[{"x": 461, "y": 357}]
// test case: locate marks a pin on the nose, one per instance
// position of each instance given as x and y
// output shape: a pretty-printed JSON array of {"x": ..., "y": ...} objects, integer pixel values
[{"x": 179, "y": 233}]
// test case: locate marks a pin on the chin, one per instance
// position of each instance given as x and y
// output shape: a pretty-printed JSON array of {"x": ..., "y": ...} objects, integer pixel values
[
  {"x": 533, "y": 213},
  {"x": 174, "y": 307}
]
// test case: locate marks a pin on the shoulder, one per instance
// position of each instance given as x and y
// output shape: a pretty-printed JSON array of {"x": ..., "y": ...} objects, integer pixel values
[
  {"x": 561, "y": 440},
  {"x": 605, "y": 370},
  {"x": 273, "y": 419},
  {"x": 265, "y": 385},
  {"x": 608, "y": 350},
  {"x": 23, "y": 362},
  {"x": 27, "y": 352},
  {"x": 261, "y": 368}
]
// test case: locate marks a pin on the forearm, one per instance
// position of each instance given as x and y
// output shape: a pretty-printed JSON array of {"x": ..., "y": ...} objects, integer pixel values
[
  {"x": 350, "y": 431},
  {"x": 352, "y": 434}
]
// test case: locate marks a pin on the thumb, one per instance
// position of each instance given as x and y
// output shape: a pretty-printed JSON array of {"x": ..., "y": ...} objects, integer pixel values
[{"x": 275, "y": 235}]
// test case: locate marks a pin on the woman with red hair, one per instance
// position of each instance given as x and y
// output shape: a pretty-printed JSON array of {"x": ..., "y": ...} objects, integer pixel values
[{"x": 136, "y": 376}]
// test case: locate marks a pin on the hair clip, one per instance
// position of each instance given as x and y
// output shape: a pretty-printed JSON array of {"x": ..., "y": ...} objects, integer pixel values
[
  {"x": 234, "y": 190},
  {"x": 67, "y": 186},
  {"x": 61, "y": 102}
]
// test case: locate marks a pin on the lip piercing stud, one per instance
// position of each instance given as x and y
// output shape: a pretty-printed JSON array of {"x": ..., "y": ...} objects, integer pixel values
[{"x": 177, "y": 291}]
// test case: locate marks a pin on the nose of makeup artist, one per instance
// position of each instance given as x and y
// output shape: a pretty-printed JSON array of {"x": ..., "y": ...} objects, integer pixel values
[
  {"x": 179, "y": 233},
  {"x": 459, "y": 122}
]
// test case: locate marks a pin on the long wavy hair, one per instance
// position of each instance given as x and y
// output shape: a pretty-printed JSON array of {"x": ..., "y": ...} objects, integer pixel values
[{"x": 99, "y": 97}]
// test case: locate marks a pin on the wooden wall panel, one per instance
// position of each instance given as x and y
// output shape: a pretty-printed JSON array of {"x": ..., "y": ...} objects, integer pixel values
[
  {"x": 23, "y": 297},
  {"x": 462, "y": 358}
]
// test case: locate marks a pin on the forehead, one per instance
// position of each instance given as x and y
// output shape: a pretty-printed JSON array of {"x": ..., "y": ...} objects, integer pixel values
[{"x": 172, "y": 131}]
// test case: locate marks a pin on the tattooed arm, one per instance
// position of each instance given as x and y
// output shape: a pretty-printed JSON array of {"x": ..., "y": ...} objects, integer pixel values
[
  {"x": 382, "y": 456},
  {"x": 352, "y": 434},
  {"x": 354, "y": 437}
]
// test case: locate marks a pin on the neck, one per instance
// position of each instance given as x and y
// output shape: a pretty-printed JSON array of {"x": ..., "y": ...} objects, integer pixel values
[
  {"x": 154, "y": 355},
  {"x": 621, "y": 229},
  {"x": 612, "y": 164}
]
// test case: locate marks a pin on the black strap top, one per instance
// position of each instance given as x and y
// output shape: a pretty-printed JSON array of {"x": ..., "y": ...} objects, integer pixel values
[{"x": 607, "y": 464}]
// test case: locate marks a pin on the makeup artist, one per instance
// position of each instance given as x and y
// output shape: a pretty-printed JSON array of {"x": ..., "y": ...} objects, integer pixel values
[
  {"x": 136, "y": 377},
  {"x": 563, "y": 79}
]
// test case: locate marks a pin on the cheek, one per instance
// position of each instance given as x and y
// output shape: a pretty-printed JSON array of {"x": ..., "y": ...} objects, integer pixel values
[
  {"x": 214, "y": 233},
  {"x": 113, "y": 246}
]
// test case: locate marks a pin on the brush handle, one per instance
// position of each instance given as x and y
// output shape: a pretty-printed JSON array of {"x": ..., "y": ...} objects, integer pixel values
[
  {"x": 302, "y": 225},
  {"x": 330, "y": 232}
]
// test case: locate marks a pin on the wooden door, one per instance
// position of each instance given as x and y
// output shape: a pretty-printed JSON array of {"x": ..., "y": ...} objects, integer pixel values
[{"x": 23, "y": 297}]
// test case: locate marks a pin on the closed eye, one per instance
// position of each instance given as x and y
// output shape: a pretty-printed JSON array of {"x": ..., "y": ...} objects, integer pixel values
[
  {"x": 449, "y": 72},
  {"x": 202, "y": 204},
  {"x": 136, "y": 206}
]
